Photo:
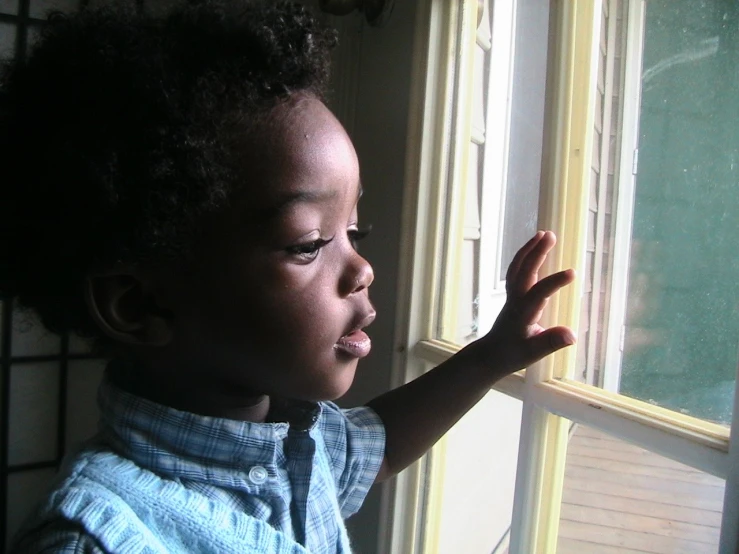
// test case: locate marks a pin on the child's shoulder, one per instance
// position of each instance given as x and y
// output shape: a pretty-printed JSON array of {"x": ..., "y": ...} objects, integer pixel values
[
  {"x": 52, "y": 526},
  {"x": 102, "y": 498}
]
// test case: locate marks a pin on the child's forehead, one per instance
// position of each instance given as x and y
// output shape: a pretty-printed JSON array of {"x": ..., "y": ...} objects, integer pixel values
[
  {"x": 301, "y": 151},
  {"x": 305, "y": 129}
]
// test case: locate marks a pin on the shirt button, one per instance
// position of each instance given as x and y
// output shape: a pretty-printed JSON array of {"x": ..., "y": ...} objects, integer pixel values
[{"x": 258, "y": 475}]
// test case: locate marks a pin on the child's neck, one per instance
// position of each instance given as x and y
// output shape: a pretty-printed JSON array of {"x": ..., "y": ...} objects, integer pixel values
[{"x": 203, "y": 399}]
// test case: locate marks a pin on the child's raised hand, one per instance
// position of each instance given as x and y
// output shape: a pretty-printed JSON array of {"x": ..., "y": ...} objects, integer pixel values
[
  {"x": 418, "y": 413},
  {"x": 516, "y": 339}
]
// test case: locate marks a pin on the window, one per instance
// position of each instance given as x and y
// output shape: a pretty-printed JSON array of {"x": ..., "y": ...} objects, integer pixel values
[{"x": 613, "y": 123}]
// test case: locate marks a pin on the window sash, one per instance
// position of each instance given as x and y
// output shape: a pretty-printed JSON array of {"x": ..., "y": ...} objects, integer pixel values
[{"x": 546, "y": 391}]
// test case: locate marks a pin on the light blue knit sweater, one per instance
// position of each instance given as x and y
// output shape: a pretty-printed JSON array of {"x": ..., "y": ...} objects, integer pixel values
[{"x": 132, "y": 511}]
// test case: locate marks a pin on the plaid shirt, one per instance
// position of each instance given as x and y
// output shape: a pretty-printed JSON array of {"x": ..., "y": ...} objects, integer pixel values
[{"x": 301, "y": 477}]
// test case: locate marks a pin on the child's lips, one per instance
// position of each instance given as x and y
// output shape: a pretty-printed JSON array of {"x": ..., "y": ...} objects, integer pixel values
[{"x": 356, "y": 344}]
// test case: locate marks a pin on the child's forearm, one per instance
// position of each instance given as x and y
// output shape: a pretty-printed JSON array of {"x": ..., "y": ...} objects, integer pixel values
[{"x": 417, "y": 414}]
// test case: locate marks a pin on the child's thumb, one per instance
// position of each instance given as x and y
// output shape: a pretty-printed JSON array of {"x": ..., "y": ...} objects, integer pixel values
[
  {"x": 559, "y": 337},
  {"x": 551, "y": 340}
]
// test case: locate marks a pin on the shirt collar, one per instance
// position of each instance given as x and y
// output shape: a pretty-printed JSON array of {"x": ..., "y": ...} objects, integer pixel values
[{"x": 172, "y": 442}]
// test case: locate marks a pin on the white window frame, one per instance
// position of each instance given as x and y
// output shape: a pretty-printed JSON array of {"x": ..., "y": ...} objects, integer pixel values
[{"x": 444, "y": 37}]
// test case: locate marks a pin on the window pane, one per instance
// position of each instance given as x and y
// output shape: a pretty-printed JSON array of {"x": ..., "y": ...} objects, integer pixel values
[
  {"x": 39, "y": 9},
  {"x": 682, "y": 319},
  {"x": 526, "y": 131},
  {"x": 34, "y": 401},
  {"x": 82, "y": 411},
  {"x": 618, "y": 498},
  {"x": 479, "y": 475},
  {"x": 464, "y": 256},
  {"x": 7, "y": 40},
  {"x": 9, "y": 6},
  {"x": 504, "y": 166},
  {"x": 30, "y": 338},
  {"x": 660, "y": 319}
]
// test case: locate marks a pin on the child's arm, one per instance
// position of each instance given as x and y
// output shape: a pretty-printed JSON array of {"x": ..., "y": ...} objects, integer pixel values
[{"x": 417, "y": 414}]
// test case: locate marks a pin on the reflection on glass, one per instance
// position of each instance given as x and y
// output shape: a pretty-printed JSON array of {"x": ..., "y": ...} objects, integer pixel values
[
  {"x": 620, "y": 498},
  {"x": 662, "y": 324}
]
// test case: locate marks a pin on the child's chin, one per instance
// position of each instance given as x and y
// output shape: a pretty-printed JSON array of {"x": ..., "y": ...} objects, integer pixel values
[{"x": 334, "y": 389}]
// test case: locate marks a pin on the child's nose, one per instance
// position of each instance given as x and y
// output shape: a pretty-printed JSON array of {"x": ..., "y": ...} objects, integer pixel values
[{"x": 358, "y": 276}]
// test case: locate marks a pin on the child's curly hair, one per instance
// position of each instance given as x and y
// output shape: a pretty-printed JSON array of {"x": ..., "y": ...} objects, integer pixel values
[{"x": 117, "y": 133}]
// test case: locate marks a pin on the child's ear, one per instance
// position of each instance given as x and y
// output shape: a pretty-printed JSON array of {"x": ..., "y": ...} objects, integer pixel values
[{"x": 126, "y": 311}]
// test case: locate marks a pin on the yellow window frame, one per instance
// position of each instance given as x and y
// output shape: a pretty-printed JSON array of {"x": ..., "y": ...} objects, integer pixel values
[{"x": 439, "y": 135}]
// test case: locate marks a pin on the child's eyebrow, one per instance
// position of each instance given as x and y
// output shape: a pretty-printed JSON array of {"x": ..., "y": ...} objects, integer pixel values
[{"x": 299, "y": 196}]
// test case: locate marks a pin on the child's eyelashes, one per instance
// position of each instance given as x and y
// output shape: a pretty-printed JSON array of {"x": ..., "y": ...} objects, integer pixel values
[
  {"x": 308, "y": 250},
  {"x": 355, "y": 235}
]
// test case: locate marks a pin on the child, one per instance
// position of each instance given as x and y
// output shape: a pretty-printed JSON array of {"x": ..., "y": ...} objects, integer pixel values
[{"x": 176, "y": 189}]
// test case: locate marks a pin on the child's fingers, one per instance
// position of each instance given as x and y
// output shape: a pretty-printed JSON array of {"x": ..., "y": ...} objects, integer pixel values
[
  {"x": 549, "y": 341},
  {"x": 523, "y": 252},
  {"x": 530, "y": 264},
  {"x": 537, "y": 296}
]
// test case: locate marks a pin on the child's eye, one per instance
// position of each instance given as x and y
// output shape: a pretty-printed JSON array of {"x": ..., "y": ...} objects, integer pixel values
[
  {"x": 309, "y": 250},
  {"x": 355, "y": 235}
]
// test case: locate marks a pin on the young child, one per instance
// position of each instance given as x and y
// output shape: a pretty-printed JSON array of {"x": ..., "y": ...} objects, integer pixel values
[{"x": 176, "y": 189}]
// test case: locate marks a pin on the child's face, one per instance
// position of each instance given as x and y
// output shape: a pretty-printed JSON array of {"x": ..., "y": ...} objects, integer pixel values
[{"x": 279, "y": 295}]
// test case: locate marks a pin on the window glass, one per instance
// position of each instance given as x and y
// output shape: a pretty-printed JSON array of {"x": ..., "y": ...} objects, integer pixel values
[
  {"x": 34, "y": 401},
  {"x": 661, "y": 310},
  {"x": 501, "y": 196},
  {"x": 618, "y": 497},
  {"x": 83, "y": 415},
  {"x": 39, "y": 9},
  {"x": 526, "y": 132},
  {"x": 660, "y": 305},
  {"x": 475, "y": 499},
  {"x": 682, "y": 324},
  {"x": 9, "y": 6},
  {"x": 30, "y": 338},
  {"x": 7, "y": 40}
]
